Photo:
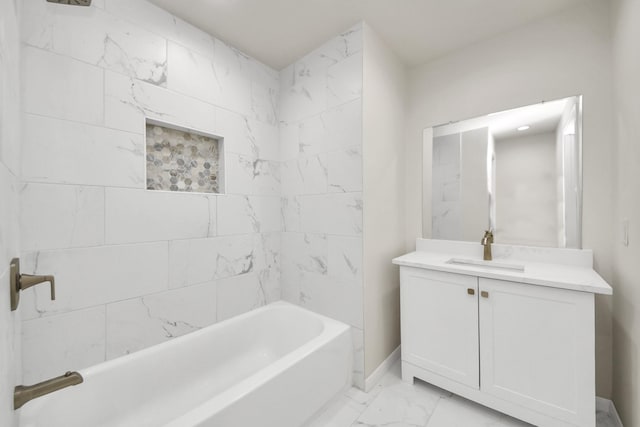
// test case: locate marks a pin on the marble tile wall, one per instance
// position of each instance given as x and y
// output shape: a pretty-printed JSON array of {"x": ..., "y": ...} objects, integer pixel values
[
  {"x": 446, "y": 216},
  {"x": 134, "y": 267},
  {"x": 10, "y": 343},
  {"x": 322, "y": 207}
]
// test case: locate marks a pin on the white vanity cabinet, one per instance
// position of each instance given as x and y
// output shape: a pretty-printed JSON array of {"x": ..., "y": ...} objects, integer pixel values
[
  {"x": 440, "y": 323},
  {"x": 523, "y": 349}
]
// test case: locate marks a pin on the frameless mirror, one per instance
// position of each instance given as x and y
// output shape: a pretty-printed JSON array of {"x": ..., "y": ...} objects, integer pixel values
[{"x": 517, "y": 172}]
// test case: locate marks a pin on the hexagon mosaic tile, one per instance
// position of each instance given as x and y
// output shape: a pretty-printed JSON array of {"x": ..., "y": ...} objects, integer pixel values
[{"x": 181, "y": 161}]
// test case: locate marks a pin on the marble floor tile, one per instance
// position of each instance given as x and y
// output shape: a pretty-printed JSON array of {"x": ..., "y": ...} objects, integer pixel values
[
  {"x": 604, "y": 419},
  {"x": 401, "y": 405},
  {"x": 393, "y": 403},
  {"x": 458, "y": 412}
]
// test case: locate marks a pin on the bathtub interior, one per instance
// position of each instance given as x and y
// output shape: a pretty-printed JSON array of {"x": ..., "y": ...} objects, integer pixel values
[{"x": 162, "y": 382}]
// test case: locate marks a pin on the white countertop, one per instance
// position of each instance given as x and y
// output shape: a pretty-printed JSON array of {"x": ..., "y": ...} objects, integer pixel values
[{"x": 572, "y": 277}]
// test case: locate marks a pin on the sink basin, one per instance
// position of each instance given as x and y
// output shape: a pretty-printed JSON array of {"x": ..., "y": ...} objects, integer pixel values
[{"x": 486, "y": 264}]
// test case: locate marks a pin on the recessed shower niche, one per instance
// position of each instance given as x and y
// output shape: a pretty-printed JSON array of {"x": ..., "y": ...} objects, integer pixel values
[{"x": 184, "y": 160}]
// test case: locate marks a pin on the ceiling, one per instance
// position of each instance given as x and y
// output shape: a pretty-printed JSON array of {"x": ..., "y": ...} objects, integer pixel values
[{"x": 277, "y": 32}]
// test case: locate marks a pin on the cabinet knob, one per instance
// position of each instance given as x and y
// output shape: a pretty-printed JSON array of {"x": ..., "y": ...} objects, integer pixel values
[
  {"x": 484, "y": 294},
  {"x": 471, "y": 291}
]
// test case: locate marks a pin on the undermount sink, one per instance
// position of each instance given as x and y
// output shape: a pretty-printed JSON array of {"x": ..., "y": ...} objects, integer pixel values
[{"x": 486, "y": 264}]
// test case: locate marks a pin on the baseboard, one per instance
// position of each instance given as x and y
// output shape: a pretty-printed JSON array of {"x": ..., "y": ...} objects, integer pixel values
[
  {"x": 606, "y": 405},
  {"x": 382, "y": 369}
]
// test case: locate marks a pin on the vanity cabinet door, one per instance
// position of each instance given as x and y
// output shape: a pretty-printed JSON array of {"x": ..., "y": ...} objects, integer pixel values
[
  {"x": 439, "y": 317},
  {"x": 537, "y": 348}
]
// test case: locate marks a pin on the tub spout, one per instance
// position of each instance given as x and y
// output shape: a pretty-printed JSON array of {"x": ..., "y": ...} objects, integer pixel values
[{"x": 22, "y": 394}]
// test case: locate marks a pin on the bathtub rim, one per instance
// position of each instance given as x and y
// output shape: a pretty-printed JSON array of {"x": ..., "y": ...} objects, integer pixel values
[{"x": 327, "y": 322}]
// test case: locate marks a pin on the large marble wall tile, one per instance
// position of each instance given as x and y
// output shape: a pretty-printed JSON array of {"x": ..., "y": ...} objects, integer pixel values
[
  {"x": 290, "y": 178},
  {"x": 247, "y": 136},
  {"x": 291, "y": 214},
  {"x": 344, "y": 125},
  {"x": 325, "y": 77},
  {"x": 193, "y": 74},
  {"x": 145, "y": 216},
  {"x": 338, "y": 128},
  {"x": 239, "y": 294},
  {"x": 235, "y": 129},
  {"x": 248, "y": 214},
  {"x": 303, "y": 255},
  {"x": 265, "y": 92},
  {"x": 61, "y": 216},
  {"x": 67, "y": 342},
  {"x": 289, "y": 140},
  {"x": 345, "y": 214},
  {"x": 247, "y": 175},
  {"x": 142, "y": 322},
  {"x": 313, "y": 173},
  {"x": 314, "y": 135},
  {"x": 345, "y": 170},
  {"x": 233, "y": 71},
  {"x": 10, "y": 77},
  {"x": 10, "y": 142},
  {"x": 192, "y": 261},
  {"x": 9, "y": 216},
  {"x": 61, "y": 151},
  {"x": 306, "y": 175},
  {"x": 265, "y": 138},
  {"x": 129, "y": 101},
  {"x": 344, "y": 81},
  {"x": 235, "y": 255},
  {"x": 339, "y": 301},
  {"x": 106, "y": 41},
  {"x": 61, "y": 87},
  {"x": 303, "y": 90},
  {"x": 314, "y": 214},
  {"x": 345, "y": 259},
  {"x": 344, "y": 45},
  {"x": 237, "y": 215},
  {"x": 90, "y": 276},
  {"x": 267, "y": 250},
  {"x": 200, "y": 260},
  {"x": 10, "y": 357},
  {"x": 357, "y": 335},
  {"x": 159, "y": 21},
  {"x": 339, "y": 213},
  {"x": 320, "y": 148}
]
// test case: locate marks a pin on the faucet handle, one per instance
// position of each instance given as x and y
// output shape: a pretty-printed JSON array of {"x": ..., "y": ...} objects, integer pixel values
[{"x": 29, "y": 280}]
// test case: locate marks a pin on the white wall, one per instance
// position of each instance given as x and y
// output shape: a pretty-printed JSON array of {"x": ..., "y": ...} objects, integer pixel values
[
  {"x": 10, "y": 371},
  {"x": 321, "y": 152},
  {"x": 559, "y": 56},
  {"x": 626, "y": 321},
  {"x": 383, "y": 150},
  {"x": 134, "y": 267},
  {"x": 526, "y": 201}
]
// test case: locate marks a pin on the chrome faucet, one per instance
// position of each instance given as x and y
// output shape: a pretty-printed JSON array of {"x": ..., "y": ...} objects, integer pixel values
[
  {"x": 24, "y": 393},
  {"x": 486, "y": 241}
]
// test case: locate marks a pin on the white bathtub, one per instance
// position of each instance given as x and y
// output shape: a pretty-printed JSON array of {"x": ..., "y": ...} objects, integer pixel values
[{"x": 272, "y": 367}]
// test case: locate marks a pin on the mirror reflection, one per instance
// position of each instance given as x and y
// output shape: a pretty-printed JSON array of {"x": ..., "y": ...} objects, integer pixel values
[{"x": 516, "y": 172}]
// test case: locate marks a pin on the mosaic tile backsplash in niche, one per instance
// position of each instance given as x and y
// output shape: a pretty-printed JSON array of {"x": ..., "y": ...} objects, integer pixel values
[{"x": 181, "y": 161}]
